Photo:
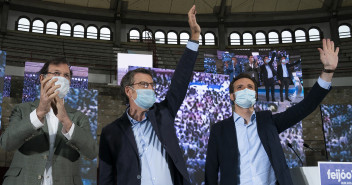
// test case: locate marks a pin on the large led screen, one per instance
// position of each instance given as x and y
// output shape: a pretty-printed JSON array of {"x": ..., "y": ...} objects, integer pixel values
[{"x": 337, "y": 125}]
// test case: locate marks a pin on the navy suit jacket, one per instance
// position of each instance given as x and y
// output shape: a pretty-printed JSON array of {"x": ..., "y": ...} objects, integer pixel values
[
  {"x": 223, "y": 148},
  {"x": 119, "y": 161},
  {"x": 264, "y": 72},
  {"x": 280, "y": 74}
]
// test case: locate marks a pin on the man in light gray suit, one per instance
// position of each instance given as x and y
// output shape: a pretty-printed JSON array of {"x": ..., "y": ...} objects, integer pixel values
[{"x": 48, "y": 136}]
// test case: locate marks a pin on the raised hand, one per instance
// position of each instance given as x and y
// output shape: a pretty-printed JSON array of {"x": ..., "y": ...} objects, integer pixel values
[
  {"x": 328, "y": 55},
  {"x": 60, "y": 112},
  {"x": 47, "y": 94},
  {"x": 192, "y": 21}
]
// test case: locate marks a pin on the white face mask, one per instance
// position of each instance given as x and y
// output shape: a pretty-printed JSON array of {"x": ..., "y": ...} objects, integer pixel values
[{"x": 65, "y": 86}]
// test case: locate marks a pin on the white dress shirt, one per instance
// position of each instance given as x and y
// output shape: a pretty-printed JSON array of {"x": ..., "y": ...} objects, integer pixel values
[{"x": 53, "y": 123}]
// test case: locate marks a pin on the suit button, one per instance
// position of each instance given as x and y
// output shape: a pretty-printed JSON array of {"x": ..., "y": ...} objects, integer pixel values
[
  {"x": 45, "y": 157},
  {"x": 138, "y": 176},
  {"x": 40, "y": 177}
]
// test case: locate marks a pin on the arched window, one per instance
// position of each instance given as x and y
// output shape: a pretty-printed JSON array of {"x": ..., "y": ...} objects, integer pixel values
[
  {"x": 51, "y": 28},
  {"x": 344, "y": 31},
  {"x": 105, "y": 33},
  {"x": 314, "y": 34},
  {"x": 184, "y": 37},
  {"x": 78, "y": 31},
  {"x": 172, "y": 37},
  {"x": 65, "y": 29},
  {"x": 23, "y": 24},
  {"x": 273, "y": 37},
  {"x": 160, "y": 37},
  {"x": 286, "y": 36},
  {"x": 260, "y": 38},
  {"x": 300, "y": 36},
  {"x": 147, "y": 35},
  {"x": 209, "y": 39},
  {"x": 235, "y": 39},
  {"x": 247, "y": 39},
  {"x": 200, "y": 39},
  {"x": 92, "y": 32},
  {"x": 38, "y": 26},
  {"x": 134, "y": 35}
]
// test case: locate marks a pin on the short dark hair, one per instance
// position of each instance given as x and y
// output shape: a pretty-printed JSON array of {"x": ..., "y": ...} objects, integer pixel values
[
  {"x": 128, "y": 79},
  {"x": 242, "y": 75},
  {"x": 56, "y": 61}
]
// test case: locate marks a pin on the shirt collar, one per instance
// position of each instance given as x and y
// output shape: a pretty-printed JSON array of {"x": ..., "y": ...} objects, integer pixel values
[
  {"x": 237, "y": 118},
  {"x": 133, "y": 121}
]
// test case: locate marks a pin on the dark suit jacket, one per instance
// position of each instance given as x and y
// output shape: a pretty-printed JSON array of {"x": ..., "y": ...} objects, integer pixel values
[
  {"x": 263, "y": 70},
  {"x": 119, "y": 161},
  {"x": 288, "y": 66},
  {"x": 223, "y": 149}
]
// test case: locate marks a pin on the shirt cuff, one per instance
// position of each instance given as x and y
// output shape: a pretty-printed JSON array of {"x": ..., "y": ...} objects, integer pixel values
[
  {"x": 35, "y": 120},
  {"x": 192, "y": 46},
  {"x": 68, "y": 135},
  {"x": 324, "y": 84}
]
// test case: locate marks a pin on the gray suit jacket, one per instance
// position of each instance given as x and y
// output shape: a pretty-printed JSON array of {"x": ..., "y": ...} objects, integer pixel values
[{"x": 31, "y": 148}]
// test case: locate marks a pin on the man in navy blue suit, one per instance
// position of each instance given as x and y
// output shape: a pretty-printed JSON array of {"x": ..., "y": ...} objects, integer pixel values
[
  {"x": 268, "y": 73},
  {"x": 246, "y": 147},
  {"x": 141, "y": 147}
]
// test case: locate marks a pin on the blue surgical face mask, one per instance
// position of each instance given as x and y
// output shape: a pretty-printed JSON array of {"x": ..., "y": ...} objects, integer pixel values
[
  {"x": 145, "y": 98},
  {"x": 245, "y": 98},
  {"x": 283, "y": 61},
  {"x": 267, "y": 61}
]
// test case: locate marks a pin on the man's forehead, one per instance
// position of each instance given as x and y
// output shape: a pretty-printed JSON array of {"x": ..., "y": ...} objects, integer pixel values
[
  {"x": 244, "y": 81},
  {"x": 143, "y": 77},
  {"x": 59, "y": 67}
]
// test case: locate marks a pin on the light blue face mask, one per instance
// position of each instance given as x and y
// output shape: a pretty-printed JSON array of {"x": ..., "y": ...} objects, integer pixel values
[
  {"x": 145, "y": 98},
  {"x": 245, "y": 98}
]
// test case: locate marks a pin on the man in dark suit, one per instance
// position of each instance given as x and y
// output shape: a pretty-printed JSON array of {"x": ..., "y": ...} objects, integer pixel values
[
  {"x": 268, "y": 72},
  {"x": 141, "y": 147},
  {"x": 284, "y": 76},
  {"x": 246, "y": 147},
  {"x": 252, "y": 68}
]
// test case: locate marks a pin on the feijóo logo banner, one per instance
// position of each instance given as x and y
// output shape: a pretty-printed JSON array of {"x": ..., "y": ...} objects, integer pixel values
[{"x": 335, "y": 173}]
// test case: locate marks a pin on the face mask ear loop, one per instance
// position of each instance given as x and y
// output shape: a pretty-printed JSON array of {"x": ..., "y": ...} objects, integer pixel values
[{"x": 134, "y": 90}]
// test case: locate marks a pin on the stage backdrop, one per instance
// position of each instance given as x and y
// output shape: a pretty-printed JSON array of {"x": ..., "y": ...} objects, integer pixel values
[
  {"x": 79, "y": 97},
  {"x": 337, "y": 125},
  {"x": 206, "y": 102}
]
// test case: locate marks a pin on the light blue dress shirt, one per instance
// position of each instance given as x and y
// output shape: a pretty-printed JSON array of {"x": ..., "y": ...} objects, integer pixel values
[
  {"x": 270, "y": 73},
  {"x": 255, "y": 167},
  {"x": 284, "y": 70},
  {"x": 152, "y": 154}
]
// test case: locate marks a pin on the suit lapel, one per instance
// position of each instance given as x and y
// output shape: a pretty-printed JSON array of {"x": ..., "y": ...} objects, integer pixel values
[
  {"x": 59, "y": 135},
  {"x": 231, "y": 137},
  {"x": 260, "y": 128},
  {"x": 126, "y": 127}
]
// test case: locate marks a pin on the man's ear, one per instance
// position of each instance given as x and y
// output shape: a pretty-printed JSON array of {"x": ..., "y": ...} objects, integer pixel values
[
  {"x": 128, "y": 91},
  {"x": 232, "y": 97},
  {"x": 41, "y": 78}
]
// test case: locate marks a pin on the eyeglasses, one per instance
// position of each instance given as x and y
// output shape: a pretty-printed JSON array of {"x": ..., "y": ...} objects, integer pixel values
[
  {"x": 144, "y": 85},
  {"x": 66, "y": 75}
]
